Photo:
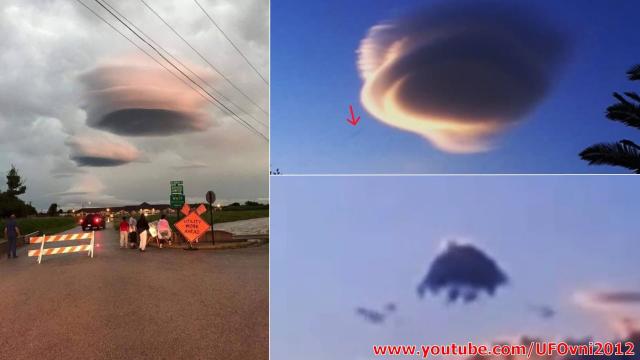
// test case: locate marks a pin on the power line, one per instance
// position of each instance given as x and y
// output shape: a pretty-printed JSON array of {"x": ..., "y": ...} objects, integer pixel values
[
  {"x": 231, "y": 42},
  {"x": 217, "y": 103},
  {"x": 242, "y": 122},
  {"x": 202, "y": 57},
  {"x": 183, "y": 65},
  {"x": 178, "y": 69}
]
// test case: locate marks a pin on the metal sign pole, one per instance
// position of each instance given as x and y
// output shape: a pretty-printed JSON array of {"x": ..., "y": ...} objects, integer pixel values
[
  {"x": 178, "y": 219},
  {"x": 211, "y": 198},
  {"x": 213, "y": 242}
]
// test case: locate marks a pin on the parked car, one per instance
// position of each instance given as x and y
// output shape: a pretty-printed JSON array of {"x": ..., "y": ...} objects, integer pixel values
[{"x": 93, "y": 222}]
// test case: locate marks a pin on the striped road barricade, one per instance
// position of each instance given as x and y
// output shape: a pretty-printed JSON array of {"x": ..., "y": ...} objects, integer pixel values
[{"x": 64, "y": 249}]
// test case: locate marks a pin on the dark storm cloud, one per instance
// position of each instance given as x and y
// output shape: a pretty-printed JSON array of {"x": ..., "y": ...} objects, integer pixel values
[
  {"x": 463, "y": 271},
  {"x": 136, "y": 122},
  {"x": 142, "y": 100},
  {"x": 459, "y": 74},
  {"x": 97, "y": 161}
]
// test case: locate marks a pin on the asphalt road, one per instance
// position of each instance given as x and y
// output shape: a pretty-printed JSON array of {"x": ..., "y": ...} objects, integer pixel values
[{"x": 123, "y": 304}]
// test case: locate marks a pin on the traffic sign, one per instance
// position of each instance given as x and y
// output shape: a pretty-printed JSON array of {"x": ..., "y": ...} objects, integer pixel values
[
  {"x": 201, "y": 209},
  {"x": 186, "y": 209},
  {"x": 177, "y": 187},
  {"x": 176, "y": 200},
  {"x": 211, "y": 197},
  {"x": 192, "y": 227}
]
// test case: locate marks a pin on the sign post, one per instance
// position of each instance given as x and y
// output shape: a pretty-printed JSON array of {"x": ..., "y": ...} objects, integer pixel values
[
  {"x": 211, "y": 198},
  {"x": 176, "y": 197}
]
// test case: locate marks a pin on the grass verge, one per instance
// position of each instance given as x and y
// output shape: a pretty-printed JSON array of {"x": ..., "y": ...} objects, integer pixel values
[{"x": 47, "y": 225}]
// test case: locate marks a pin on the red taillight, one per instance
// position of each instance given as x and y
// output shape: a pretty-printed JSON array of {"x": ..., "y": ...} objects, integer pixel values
[
  {"x": 96, "y": 220},
  {"x": 81, "y": 221}
]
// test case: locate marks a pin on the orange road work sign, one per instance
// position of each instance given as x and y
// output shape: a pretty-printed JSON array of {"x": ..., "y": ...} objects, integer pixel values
[
  {"x": 186, "y": 209},
  {"x": 192, "y": 226}
]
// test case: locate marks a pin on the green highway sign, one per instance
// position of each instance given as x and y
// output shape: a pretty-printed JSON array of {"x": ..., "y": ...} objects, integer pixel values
[
  {"x": 177, "y": 187},
  {"x": 176, "y": 200}
]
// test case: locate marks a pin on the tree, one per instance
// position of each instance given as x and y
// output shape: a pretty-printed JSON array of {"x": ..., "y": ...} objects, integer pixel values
[
  {"x": 9, "y": 201},
  {"x": 624, "y": 153},
  {"x": 15, "y": 185},
  {"x": 53, "y": 210}
]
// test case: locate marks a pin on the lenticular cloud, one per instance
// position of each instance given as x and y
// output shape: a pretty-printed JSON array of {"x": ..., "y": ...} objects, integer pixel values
[
  {"x": 459, "y": 75},
  {"x": 104, "y": 151},
  {"x": 142, "y": 100}
]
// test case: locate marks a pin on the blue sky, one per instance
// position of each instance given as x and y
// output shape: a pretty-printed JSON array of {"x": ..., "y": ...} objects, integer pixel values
[
  {"x": 344, "y": 242},
  {"x": 315, "y": 79}
]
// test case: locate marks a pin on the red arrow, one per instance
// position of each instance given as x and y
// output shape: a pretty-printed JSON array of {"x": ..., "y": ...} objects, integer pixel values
[{"x": 354, "y": 120}]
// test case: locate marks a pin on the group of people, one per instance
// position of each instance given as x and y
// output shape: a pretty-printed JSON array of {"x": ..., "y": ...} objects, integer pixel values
[{"x": 134, "y": 230}]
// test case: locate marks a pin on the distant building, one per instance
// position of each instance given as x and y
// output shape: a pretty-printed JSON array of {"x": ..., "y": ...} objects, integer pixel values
[{"x": 144, "y": 208}]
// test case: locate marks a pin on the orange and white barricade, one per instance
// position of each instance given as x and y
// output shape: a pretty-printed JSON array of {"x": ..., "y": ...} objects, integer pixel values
[{"x": 62, "y": 250}]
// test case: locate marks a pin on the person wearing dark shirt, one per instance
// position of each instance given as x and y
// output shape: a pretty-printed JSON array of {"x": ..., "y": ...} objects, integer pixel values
[
  {"x": 11, "y": 233},
  {"x": 143, "y": 228}
]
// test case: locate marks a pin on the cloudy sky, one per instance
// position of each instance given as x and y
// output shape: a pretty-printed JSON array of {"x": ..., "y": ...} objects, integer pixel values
[
  {"x": 448, "y": 86},
  {"x": 87, "y": 117},
  {"x": 566, "y": 246}
]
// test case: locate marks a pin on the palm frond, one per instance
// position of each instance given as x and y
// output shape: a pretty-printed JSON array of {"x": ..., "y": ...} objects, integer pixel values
[
  {"x": 624, "y": 153},
  {"x": 626, "y": 111},
  {"x": 634, "y": 72},
  {"x": 633, "y": 96}
]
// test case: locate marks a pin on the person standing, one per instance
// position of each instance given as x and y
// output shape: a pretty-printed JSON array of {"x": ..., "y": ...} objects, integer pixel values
[
  {"x": 164, "y": 230},
  {"x": 143, "y": 229},
  {"x": 124, "y": 232},
  {"x": 11, "y": 233},
  {"x": 133, "y": 230}
]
